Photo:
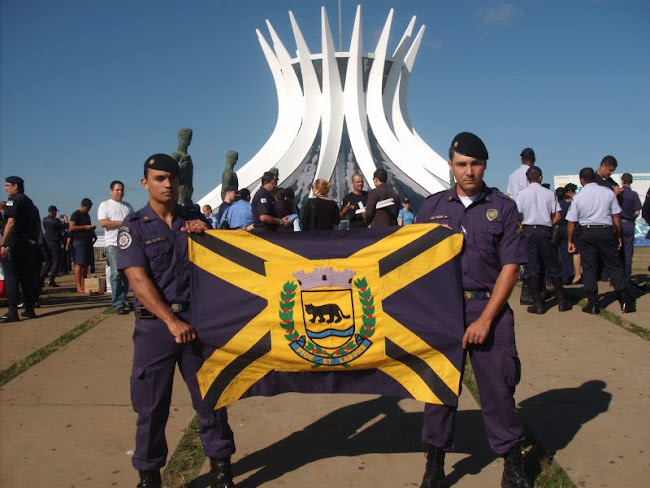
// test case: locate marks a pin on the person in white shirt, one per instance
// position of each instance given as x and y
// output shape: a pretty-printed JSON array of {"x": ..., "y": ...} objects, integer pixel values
[
  {"x": 518, "y": 180},
  {"x": 110, "y": 214},
  {"x": 540, "y": 211}
]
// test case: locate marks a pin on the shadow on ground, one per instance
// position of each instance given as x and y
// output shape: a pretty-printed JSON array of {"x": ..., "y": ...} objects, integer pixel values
[{"x": 554, "y": 416}]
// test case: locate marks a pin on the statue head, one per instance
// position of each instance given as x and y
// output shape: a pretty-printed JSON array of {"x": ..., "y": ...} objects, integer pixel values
[
  {"x": 184, "y": 136},
  {"x": 231, "y": 158}
]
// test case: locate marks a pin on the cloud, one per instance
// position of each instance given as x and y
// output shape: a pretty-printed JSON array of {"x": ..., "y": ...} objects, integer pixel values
[{"x": 501, "y": 14}]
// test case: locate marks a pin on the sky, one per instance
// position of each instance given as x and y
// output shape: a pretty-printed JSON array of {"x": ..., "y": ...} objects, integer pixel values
[{"x": 88, "y": 90}]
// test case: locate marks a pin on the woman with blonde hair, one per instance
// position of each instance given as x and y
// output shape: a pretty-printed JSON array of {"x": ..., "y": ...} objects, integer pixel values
[{"x": 321, "y": 212}]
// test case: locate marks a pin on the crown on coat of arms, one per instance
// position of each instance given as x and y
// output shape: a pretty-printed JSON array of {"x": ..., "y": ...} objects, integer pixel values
[{"x": 324, "y": 277}]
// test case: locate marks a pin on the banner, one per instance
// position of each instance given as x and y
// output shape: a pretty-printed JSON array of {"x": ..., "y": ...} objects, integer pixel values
[{"x": 363, "y": 311}]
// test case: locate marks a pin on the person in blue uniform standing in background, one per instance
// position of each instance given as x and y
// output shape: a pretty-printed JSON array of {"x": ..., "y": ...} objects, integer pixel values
[
  {"x": 152, "y": 251},
  {"x": 492, "y": 253},
  {"x": 630, "y": 210}
]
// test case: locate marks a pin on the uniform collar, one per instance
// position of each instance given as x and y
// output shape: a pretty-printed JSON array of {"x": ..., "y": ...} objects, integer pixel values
[{"x": 486, "y": 194}]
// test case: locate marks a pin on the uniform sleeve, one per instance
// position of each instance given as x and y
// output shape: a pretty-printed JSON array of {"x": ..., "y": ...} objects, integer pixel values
[
  {"x": 614, "y": 207},
  {"x": 512, "y": 248},
  {"x": 130, "y": 246}
]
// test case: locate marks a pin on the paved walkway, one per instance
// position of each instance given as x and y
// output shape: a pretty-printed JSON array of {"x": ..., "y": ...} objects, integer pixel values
[{"x": 67, "y": 421}]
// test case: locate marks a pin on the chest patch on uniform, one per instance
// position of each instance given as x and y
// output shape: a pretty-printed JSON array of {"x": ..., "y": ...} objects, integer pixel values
[
  {"x": 438, "y": 217},
  {"x": 124, "y": 240},
  {"x": 153, "y": 241},
  {"x": 263, "y": 200},
  {"x": 492, "y": 214}
]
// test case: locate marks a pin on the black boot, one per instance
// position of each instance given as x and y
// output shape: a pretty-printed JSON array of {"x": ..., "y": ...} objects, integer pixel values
[
  {"x": 628, "y": 304},
  {"x": 53, "y": 284},
  {"x": 525, "y": 298},
  {"x": 537, "y": 306},
  {"x": 434, "y": 475},
  {"x": 28, "y": 311},
  {"x": 221, "y": 473},
  {"x": 11, "y": 315},
  {"x": 563, "y": 304},
  {"x": 591, "y": 306},
  {"x": 513, "y": 471},
  {"x": 150, "y": 479}
]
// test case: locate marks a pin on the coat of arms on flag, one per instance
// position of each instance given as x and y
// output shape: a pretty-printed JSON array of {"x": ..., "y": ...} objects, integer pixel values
[{"x": 375, "y": 311}]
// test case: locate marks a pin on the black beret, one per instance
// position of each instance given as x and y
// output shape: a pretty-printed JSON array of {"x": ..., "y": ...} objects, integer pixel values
[
  {"x": 14, "y": 180},
  {"x": 52, "y": 208},
  {"x": 528, "y": 153},
  {"x": 471, "y": 145},
  {"x": 162, "y": 162}
]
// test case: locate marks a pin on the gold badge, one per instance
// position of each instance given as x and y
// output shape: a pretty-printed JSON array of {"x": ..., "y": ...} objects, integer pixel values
[
  {"x": 152, "y": 160},
  {"x": 492, "y": 214},
  {"x": 456, "y": 144}
]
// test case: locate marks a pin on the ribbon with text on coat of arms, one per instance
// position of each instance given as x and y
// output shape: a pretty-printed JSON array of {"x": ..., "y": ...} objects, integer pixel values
[{"x": 363, "y": 311}]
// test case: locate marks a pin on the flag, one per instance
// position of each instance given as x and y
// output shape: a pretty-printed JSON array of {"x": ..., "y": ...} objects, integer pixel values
[{"x": 363, "y": 311}]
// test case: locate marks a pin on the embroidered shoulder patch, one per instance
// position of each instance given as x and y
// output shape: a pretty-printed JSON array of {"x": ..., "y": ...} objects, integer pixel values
[{"x": 124, "y": 240}]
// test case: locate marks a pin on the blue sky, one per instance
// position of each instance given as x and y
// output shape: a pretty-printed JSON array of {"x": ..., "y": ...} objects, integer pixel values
[{"x": 88, "y": 89}]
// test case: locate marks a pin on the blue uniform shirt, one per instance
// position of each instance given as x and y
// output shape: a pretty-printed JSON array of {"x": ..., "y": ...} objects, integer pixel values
[
  {"x": 537, "y": 205},
  {"x": 145, "y": 241},
  {"x": 594, "y": 205},
  {"x": 238, "y": 215},
  {"x": 490, "y": 227},
  {"x": 630, "y": 203}
]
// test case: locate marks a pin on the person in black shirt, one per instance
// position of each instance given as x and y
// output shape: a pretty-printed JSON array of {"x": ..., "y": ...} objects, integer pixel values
[
  {"x": 604, "y": 174},
  {"x": 350, "y": 203},
  {"x": 18, "y": 249},
  {"x": 82, "y": 232},
  {"x": 321, "y": 212},
  {"x": 53, "y": 229}
]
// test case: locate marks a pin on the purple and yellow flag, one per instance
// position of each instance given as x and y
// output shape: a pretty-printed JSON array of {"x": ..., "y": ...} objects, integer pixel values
[{"x": 363, "y": 311}]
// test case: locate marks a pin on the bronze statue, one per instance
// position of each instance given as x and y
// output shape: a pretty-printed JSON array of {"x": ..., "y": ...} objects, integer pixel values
[
  {"x": 229, "y": 177},
  {"x": 186, "y": 167}
]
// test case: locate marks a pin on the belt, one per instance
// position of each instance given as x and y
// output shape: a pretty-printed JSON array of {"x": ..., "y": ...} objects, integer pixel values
[
  {"x": 472, "y": 294},
  {"x": 538, "y": 226},
  {"x": 628, "y": 220},
  {"x": 596, "y": 226},
  {"x": 143, "y": 313}
]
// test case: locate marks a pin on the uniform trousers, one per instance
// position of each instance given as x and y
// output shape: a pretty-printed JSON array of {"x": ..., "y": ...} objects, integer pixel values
[
  {"x": 20, "y": 272},
  {"x": 627, "y": 236},
  {"x": 566, "y": 259},
  {"x": 155, "y": 357},
  {"x": 600, "y": 242},
  {"x": 543, "y": 261},
  {"x": 52, "y": 259},
  {"x": 497, "y": 371}
]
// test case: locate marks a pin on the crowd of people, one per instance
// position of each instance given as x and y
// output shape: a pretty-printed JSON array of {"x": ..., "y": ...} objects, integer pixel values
[{"x": 530, "y": 233}]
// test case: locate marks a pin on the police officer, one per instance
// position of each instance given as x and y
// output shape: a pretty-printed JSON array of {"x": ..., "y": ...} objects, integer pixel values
[
  {"x": 53, "y": 229},
  {"x": 152, "y": 251},
  {"x": 597, "y": 214},
  {"x": 540, "y": 211},
  {"x": 263, "y": 205},
  {"x": 630, "y": 210},
  {"x": 492, "y": 254},
  {"x": 18, "y": 250}
]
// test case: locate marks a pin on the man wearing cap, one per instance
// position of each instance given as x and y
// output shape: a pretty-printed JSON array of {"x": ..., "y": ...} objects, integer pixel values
[
  {"x": 152, "y": 251},
  {"x": 351, "y": 202},
  {"x": 630, "y": 210},
  {"x": 406, "y": 215},
  {"x": 53, "y": 229},
  {"x": 82, "y": 232},
  {"x": 110, "y": 214},
  {"x": 263, "y": 206},
  {"x": 385, "y": 216},
  {"x": 517, "y": 180},
  {"x": 18, "y": 249},
  {"x": 239, "y": 215},
  {"x": 597, "y": 213},
  {"x": 540, "y": 211},
  {"x": 492, "y": 253}
]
